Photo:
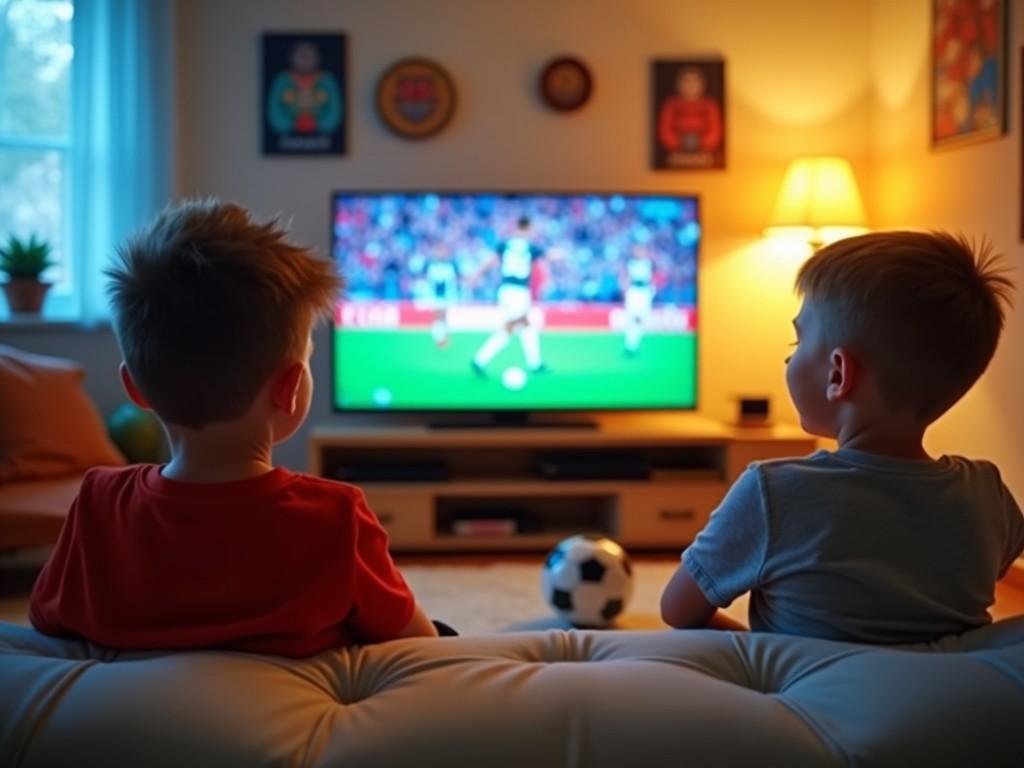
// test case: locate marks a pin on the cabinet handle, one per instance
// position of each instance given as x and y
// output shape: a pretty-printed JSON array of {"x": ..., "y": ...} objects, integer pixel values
[
  {"x": 676, "y": 515},
  {"x": 385, "y": 518}
]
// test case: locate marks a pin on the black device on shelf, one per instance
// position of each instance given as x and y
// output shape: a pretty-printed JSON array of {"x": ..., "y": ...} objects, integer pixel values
[
  {"x": 420, "y": 471},
  {"x": 593, "y": 467}
]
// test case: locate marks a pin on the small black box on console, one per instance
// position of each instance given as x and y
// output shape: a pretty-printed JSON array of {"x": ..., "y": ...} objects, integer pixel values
[
  {"x": 584, "y": 467},
  {"x": 392, "y": 472}
]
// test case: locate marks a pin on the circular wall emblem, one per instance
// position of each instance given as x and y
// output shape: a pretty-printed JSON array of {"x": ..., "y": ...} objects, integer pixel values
[
  {"x": 415, "y": 98},
  {"x": 565, "y": 84}
]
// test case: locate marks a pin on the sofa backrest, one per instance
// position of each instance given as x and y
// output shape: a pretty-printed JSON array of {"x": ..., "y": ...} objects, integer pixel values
[{"x": 554, "y": 698}]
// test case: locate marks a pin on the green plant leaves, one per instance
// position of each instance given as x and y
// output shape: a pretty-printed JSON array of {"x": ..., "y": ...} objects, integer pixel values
[{"x": 21, "y": 259}]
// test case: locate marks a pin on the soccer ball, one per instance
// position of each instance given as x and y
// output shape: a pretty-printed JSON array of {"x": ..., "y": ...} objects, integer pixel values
[
  {"x": 137, "y": 433},
  {"x": 513, "y": 378},
  {"x": 588, "y": 580}
]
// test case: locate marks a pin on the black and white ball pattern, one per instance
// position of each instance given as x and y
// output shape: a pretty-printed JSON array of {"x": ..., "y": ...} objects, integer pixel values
[{"x": 588, "y": 580}]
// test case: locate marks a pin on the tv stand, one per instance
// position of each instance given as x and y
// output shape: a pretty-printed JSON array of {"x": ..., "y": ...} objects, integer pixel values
[
  {"x": 647, "y": 480},
  {"x": 511, "y": 420}
]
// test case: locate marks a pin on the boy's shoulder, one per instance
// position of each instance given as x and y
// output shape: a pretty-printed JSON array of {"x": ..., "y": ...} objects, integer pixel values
[
  {"x": 824, "y": 466},
  {"x": 99, "y": 479},
  {"x": 820, "y": 459},
  {"x": 324, "y": 485},
  {"x": 287, "y": 487},
  {"x": 324, "y": 505},
  {"x": 140, "y": 471},
  {"x": 854, "y": 460}
]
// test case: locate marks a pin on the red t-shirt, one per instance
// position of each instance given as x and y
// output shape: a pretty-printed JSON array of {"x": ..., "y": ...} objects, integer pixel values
[{"x": 285, "y": 563}]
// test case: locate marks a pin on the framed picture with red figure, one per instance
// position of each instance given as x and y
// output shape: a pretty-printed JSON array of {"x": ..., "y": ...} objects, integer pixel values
[
  {"x": 304, "y": 94},
  {"x": 968, "y": 60},
  {"x": 688, "y": 121}
]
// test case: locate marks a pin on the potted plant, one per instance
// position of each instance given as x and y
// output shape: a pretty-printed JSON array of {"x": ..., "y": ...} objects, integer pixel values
[{"x": 23, "y": 262}]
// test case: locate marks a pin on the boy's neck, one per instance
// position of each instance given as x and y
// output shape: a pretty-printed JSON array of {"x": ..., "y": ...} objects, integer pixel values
[
  {"x": 898, "y": 444},
  {"x": 218, "y": 453}
]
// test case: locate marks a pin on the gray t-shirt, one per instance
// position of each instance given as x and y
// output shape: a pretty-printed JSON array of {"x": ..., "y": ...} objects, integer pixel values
[{"x": 861, "y": 547}]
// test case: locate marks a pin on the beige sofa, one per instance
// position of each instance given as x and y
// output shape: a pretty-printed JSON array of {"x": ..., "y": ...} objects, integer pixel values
[{"x": 695, "y": 698}]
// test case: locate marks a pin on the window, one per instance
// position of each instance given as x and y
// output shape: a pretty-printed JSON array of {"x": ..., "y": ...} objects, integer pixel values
[
  {"x": 35, "y": 134},
  {"x": 86, "y": 134}
]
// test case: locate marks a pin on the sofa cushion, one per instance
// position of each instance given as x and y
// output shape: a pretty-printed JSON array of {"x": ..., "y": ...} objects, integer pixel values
[
  {"x": 33, "y": 511},
  {"x": 555, "y": 698},
  {"x": 48, "y": 425}
]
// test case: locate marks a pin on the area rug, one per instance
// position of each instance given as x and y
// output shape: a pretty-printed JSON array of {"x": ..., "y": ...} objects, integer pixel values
[{"x": 506, "y": 597}]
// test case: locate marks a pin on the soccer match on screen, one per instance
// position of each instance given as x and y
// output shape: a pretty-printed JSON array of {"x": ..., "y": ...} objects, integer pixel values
[{"x": 491, "y": 301}]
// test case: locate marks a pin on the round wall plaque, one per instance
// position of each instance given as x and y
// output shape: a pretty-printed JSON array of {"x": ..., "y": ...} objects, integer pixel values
[
  {"x": 415, "y": 98},
  {"x": 565, "y": 84}
]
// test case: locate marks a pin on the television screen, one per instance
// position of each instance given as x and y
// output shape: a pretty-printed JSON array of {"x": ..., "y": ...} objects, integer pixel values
[{"x": 486, "y": 301}]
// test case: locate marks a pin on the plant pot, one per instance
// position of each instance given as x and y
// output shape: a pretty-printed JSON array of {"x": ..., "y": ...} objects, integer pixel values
[{"x": 25, "y": 294}]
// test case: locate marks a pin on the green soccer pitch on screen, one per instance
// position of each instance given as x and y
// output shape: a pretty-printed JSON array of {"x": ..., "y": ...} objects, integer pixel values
[{"x": 484, "y": 301}]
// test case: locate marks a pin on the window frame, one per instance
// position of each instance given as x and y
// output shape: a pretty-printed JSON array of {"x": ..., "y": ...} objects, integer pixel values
[{"x": 63, "y": 301}]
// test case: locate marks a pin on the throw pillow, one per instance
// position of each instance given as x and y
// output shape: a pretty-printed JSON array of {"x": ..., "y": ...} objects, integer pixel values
[{"x": 48, "y": 425}]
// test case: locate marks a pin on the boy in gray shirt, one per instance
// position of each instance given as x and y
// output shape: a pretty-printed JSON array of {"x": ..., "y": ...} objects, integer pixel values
[{"x": 876, "y": 542}]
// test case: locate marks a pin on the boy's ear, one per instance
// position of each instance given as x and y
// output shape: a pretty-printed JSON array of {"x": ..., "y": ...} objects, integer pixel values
[
  {"x": 842, "y": 374},
  {"x": 284, "y": 389},
  {"x": 130, "y": 389}
]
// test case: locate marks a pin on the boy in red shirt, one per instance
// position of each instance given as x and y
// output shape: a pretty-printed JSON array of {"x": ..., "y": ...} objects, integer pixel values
[{"x": 218, "y": 548}]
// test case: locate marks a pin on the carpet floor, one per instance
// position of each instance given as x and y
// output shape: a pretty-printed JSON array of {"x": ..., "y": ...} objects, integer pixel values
[{"x": 506, "y": 597}]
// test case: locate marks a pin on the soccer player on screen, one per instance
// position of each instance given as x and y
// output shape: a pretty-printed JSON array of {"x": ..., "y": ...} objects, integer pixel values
[
  {"x": 516, "y": 257},
  {"x": 442, "y": 277},
  {"x": 638, "y": 296}
]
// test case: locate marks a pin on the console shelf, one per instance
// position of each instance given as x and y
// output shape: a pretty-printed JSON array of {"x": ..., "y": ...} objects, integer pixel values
[{"x": 646, "y": 481}]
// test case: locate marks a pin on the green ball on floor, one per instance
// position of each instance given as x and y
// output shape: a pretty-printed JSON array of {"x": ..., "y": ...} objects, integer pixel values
[{"x": 137, "y": 433}]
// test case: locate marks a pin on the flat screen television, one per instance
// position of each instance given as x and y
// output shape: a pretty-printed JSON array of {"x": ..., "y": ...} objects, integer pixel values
[{"x": 500, "y": 303}]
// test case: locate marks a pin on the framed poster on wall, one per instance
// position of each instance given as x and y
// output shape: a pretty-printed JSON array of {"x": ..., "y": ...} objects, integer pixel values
[
  {"x": 304, "y": 94},
  {"x": 968, "y": 71},
  {"x": 688, "y": 121}
]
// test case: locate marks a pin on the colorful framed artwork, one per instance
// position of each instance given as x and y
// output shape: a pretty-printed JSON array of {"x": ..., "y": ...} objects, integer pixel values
[
  {"x": 304, "y": 94},
  {"x": 968, "y": 71},
  {"x": 565, "y": 84},
  {"x": 688, "y": 121},
  {"x": 415, "y": 98}
]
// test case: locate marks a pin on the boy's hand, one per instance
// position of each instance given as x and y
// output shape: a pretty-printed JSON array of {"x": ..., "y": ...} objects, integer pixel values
[
  {"x": 722, "y": 620},
  {"x": 419, "y": 625}
]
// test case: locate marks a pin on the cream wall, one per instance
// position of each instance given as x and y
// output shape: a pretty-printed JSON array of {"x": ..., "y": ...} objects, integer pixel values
[
  {"x": 975, "y": 189},
  {"x": 797, "y": 82}
]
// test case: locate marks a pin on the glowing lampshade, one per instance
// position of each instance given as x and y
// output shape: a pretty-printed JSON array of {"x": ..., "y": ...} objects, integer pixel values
[{"x": 819, "y": 202}]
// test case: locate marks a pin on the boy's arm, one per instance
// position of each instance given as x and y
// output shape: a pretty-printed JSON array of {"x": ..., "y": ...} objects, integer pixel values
[
  {"x": 1015, "y": 535},
  {"x": 48, "y": 593},
  {"x": 725, "y": 561},
  {"x": 683, "y": 605},
  {"x": 381, "y": 598}
]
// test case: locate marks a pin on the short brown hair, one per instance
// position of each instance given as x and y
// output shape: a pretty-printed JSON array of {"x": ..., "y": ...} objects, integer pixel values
[
  {"x": 208, "y": 303},
  {"x": 926, "y": 308}
]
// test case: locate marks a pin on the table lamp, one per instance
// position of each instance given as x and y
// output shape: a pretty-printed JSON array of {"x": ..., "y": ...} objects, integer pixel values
[{"x": 818, "y": 202}]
